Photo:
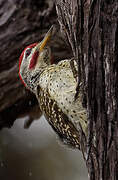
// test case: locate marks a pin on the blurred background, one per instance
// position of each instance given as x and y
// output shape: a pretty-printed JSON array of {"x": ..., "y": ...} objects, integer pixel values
[{"x": 37, "y": 154}]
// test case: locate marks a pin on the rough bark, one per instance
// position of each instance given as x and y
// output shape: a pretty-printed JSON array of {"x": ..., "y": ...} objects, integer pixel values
[
  {"x": 21, "y": 23},
  {"x": 96, "y": 24}
]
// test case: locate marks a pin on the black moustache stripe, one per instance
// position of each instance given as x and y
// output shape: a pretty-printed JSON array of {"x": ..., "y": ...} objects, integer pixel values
[{"x": 35, "y": 77}]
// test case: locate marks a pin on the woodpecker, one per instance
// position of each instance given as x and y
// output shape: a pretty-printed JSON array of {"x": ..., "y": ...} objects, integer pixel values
[{"x": 55, "y": 87}]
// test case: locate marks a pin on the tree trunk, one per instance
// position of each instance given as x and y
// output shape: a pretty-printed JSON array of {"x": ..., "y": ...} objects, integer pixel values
[
  {"x": 22, "y": 23},
  {"x": 91, "y": 27}
]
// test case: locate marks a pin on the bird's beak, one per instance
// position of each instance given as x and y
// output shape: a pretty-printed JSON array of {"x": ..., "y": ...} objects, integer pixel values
[{"x": 46, "y": 39}]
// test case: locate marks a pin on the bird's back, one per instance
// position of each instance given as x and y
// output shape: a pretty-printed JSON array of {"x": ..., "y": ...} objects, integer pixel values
[{"x": 56, "y": 92}]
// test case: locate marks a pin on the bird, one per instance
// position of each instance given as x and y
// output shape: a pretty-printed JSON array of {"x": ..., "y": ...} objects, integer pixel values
[{"x": 54, "y": 85}]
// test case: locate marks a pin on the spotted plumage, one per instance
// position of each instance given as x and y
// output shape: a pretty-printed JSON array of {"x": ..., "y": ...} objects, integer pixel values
[
  {"x": 55, "y": 87},
  {"x": 58, "y": 120}
]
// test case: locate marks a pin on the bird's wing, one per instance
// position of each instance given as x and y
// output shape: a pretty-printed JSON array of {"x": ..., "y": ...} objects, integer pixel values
[
  {"x": 62, "y": 87},
  {"x": 57, "y": 88},
  {"x": 58, "y": 120}
]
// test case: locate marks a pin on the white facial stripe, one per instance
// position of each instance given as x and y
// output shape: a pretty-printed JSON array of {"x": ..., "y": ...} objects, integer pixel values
[{"x": 27, "y": 52}]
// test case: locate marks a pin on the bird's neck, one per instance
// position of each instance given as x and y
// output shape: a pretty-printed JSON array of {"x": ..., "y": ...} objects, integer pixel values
[{"x": 32, "y": 79}]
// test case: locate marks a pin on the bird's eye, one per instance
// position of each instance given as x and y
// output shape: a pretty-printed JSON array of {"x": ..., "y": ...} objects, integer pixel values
[{"x": 28, "y": 51}]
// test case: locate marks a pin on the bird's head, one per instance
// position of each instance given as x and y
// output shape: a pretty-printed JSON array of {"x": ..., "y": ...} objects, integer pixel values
[{"x": 33, "y": 60}]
